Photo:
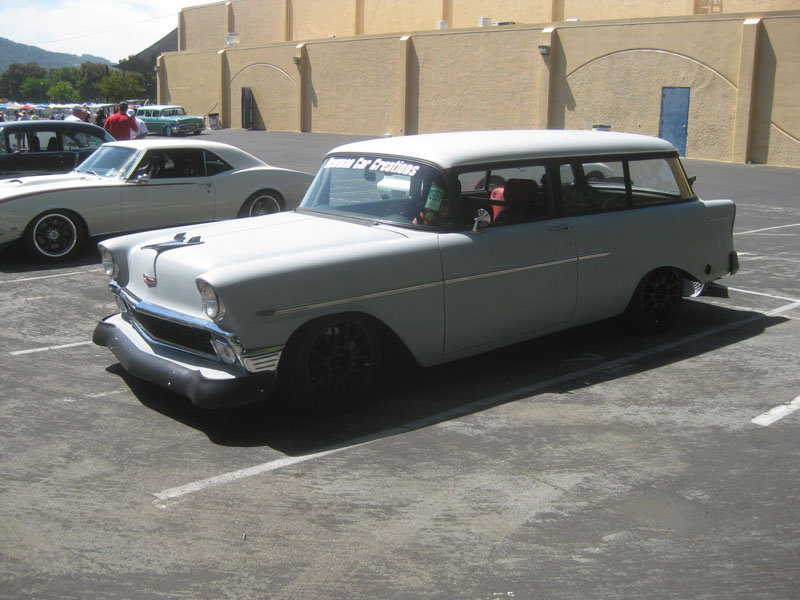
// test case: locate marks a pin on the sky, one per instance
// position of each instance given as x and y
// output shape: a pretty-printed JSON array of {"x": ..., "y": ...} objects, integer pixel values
[{"x": 106, "y": 29}]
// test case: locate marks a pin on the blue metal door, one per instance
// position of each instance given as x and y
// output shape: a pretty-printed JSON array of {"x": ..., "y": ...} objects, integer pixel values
[{"x": 675, "y": 116}]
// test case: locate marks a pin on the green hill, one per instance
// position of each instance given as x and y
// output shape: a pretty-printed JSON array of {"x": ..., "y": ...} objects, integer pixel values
[{"x": 12, "y": 52}]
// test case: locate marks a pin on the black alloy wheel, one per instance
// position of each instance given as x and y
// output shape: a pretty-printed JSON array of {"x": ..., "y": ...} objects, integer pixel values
[
  {"x": 656, "y": 301},
  {"x": 54, "y": 236},
  {"x": 331, "y": 364}
]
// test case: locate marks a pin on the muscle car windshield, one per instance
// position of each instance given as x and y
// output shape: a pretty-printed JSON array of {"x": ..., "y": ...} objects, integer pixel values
[
  {"x": 109, "y": 161},
  {"x": 380, "y": 189}
]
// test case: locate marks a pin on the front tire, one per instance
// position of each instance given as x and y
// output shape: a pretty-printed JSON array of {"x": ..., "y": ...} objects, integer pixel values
[
  {"x": 656, "y": 301},
  {"x": 263, "y": 202},
  {"x": 330, "y": 364},
  {"x": 168, "y": 131},
  {"x": 54, "y": 235}
]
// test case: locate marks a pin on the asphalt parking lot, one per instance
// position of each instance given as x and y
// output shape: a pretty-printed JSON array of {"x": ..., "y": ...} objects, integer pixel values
[{"x": 587, "y": 464}]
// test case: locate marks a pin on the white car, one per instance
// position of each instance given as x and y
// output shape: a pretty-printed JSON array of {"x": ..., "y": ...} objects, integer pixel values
[
  {"x": 138, "y": 185},
  {"x": 393, "y": 244}
]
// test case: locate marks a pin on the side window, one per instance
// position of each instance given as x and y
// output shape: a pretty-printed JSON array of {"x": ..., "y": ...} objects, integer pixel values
[
  {"x": 168, "y": 164},
  {"x": 16, "y": 142},
  {"x": 38, "y": 140},
  {"x": 214, "y": 164},
  {"x": 657, "y": 180},
  {"x": 49, "y": 141},
  {"x": 588, "y": 187},
  {"x": 510, "y": 194},
  {"x": 77, "y": 140}
]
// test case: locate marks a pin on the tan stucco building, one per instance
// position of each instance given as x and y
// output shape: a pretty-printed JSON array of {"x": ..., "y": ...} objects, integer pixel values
[{"x": 723, "y": 75}]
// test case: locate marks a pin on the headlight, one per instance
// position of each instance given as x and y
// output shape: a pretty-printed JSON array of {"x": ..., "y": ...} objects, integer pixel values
[
  {"x": 212, "y": 305},
  {"x": 109, "y": 266}
]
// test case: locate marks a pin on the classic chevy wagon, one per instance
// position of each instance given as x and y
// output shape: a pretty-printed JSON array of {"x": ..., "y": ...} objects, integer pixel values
[{"x": 451, "y": 244}]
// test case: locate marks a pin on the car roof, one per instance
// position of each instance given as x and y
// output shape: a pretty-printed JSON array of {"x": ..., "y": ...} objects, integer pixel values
[
  {"x": 49, "y": 124},
  {"x": 160, "y": 106},
  {"x": 225, "y": 151},
  {"x": 475, "y": 147}
]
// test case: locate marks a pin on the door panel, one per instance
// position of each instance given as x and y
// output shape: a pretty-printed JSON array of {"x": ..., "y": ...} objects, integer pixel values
[{"x": 506, "y": 282}]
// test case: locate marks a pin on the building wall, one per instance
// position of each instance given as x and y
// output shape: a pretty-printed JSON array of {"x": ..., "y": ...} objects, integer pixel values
[{"x": 741, "y": 74}]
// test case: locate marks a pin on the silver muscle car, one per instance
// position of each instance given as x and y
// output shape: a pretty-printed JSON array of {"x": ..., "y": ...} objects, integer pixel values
[
  {"x": 142, "y": 184},
  {"x": 450, "y": 244}
]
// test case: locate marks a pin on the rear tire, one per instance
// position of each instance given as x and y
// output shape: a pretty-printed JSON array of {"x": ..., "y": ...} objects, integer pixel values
[
  {"x": 263, "y": 202},
  {"x": 54, "y": 235},
  {"x": 656, "y": 301},
  {"x": 330, "y": 365}
]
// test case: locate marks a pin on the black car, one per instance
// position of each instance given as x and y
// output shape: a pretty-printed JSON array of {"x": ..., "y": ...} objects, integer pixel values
[{"x": 42, "y": 147}]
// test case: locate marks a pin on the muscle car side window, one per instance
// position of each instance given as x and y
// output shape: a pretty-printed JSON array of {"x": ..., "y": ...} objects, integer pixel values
[{"x": 214, "y": 164}]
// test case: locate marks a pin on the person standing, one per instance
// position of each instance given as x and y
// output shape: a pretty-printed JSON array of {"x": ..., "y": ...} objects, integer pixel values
[
  {"x": 77, "y": 115},
  {"x": 120, "y": 125},
  {"x": 139, "y": 124}
]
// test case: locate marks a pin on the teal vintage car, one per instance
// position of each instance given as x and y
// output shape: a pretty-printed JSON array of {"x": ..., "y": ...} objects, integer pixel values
[{"x": 170, "y": 120}]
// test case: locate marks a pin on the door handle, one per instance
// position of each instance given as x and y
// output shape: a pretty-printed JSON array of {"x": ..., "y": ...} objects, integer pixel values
[{"x": 559, "y": 228}]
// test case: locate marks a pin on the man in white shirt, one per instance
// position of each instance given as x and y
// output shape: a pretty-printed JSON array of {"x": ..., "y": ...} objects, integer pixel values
[
  {"x": 140, "y": 124},
  {"x": 77, "y": 115}
]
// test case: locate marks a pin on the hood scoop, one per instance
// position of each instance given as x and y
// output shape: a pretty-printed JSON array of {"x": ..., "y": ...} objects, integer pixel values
[{"x": 179, "y": 241}]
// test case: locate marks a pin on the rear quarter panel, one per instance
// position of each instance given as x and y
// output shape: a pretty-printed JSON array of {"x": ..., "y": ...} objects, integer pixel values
[{"x": 616, "y": 249}]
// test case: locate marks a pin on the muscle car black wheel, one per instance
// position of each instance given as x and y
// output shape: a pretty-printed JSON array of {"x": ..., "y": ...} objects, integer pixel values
[
  {"x": 54, "y": 235},
  {"x": 330, "y": 364},
  {"x": 656, "y": 301},
  {"x": 263, "y": 202}
]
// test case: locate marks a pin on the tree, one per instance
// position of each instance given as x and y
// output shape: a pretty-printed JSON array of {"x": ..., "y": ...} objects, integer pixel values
[
  {"x": 12, "y": 78},
  {"x": 119, "y": 86},
  {"x": 33, "y": 89},
  {"x": 91, "y": 74},
  {"x": 62, "y": 93}
]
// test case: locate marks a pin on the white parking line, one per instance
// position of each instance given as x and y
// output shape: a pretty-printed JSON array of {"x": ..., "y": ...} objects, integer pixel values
[
  {"x": 766, "y": 229},
  {"x": 45, "y": 348},
  {"x": 166, "y": 497},
  {"x": 776, "y": 414},
  {"x": 40, "y": 277}
]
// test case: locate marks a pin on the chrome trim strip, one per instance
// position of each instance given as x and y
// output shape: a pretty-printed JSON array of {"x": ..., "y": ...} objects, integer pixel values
[
  {"x": 593, "y": 256},
  {"x": 302, "y": 307},
  {"x": 514, "y": 270}
]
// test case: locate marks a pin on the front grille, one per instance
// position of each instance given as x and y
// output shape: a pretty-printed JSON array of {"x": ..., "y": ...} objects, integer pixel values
[{"x": 175, "y": 334}]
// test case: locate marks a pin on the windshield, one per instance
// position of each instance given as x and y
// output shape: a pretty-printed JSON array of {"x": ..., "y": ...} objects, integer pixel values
[
  {"x": 380, "y": 189},
  {"x": 109, "y": 161}
]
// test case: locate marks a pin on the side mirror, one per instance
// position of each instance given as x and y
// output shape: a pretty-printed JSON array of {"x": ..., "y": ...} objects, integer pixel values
[
  {"x": 482, "y": 221},
  {"x": 691, "y": 180},
  {"x": 142, "y": 176}
]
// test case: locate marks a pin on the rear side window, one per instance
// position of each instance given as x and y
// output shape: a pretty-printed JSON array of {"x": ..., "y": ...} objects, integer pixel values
[
  {"x": 78, "y": 140},
  {"x": 214, "y": 164},
  {"x": 654, "y": 181},
  {"x": 593, "y": 187},
  {"x": 600, "y": 186}
]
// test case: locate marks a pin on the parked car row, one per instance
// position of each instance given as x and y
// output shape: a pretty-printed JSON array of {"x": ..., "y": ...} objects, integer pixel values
[{"x": 446, "y": 244}]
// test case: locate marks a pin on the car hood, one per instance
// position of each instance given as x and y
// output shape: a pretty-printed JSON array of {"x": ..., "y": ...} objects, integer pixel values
[
  {"x": 232, "y": 254},
  {"x": 45, "y": 183}
]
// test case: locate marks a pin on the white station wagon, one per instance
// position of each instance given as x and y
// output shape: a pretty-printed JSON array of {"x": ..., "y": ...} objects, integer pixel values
[{"x": 450, "y": 244}]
